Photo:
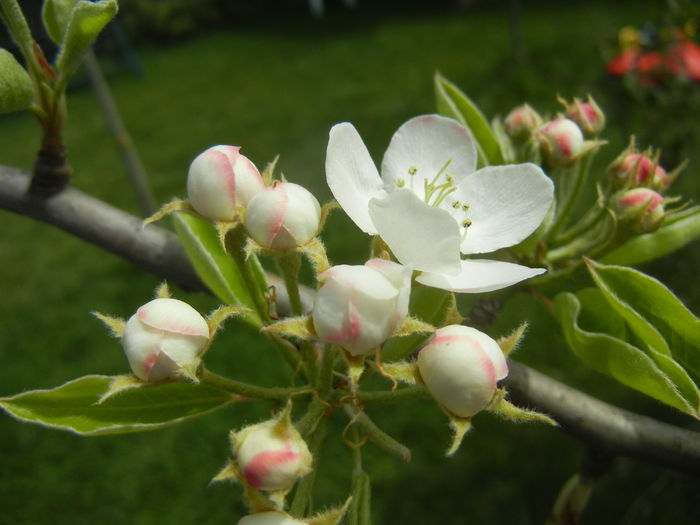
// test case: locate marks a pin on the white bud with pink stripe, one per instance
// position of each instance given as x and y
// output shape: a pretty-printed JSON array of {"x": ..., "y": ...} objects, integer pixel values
[
  {"x": 271, "y": 455},
  {"x": 163, "y": 337},
  {"x": 283, "y": 217},
  {"x": 460, "y": 367},
  {"x": 220, "y": 180},
  {"x": 360, "y": 307},
  {"x": 561, "y": 141}
]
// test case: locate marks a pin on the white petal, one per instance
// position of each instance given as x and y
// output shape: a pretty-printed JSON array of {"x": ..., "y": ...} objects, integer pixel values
[
  {"x": 427, "y": 143},
  {"x": 480, "y": 275},
  {"x": 351, "y": 174},
  {"x": 506, "y": 204},
  {"x": 419, "y": 235}
]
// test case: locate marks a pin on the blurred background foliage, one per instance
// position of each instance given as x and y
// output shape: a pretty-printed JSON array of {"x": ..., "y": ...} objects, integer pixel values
[{"x": 270, "y": 77}]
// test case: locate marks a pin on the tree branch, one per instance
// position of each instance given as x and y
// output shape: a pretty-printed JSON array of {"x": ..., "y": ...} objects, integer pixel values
[
  {"x": 157, "y": 250},
  {"x": 613, "y": 430}
]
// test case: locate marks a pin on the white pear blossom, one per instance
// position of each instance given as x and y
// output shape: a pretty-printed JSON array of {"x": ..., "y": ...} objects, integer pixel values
[
  {"x": 430, "y": 204},
  {"x": 271, "y": 517}
]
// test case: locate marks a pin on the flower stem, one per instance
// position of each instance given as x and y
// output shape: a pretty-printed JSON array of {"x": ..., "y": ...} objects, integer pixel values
[
  {"x": 289, "y": 268},
  {"x": 376, "y": 434},
  {"x": 302, "y": 503},
  {"x": 410, "y": 393},
  {"x": 581, "y": 174},
  {"x": 245, "y": 389},
  {"x": 235, "y": 242}
]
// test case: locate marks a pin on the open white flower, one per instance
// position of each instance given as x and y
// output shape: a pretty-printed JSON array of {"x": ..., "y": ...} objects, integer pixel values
[{"x": 430, "y": 204}]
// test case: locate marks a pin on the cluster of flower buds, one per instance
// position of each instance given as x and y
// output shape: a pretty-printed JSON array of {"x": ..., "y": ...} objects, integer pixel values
[{"x": 561, "y": 141}]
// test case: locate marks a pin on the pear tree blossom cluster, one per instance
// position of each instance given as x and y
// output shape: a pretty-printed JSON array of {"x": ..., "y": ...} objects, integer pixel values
[{"x": 431, "y": 213}]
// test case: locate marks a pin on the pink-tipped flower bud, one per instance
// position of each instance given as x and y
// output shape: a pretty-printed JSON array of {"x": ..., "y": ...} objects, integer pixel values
[
  {"x": 561, "y": 141},
  {"x": 270, "y": 518},
  {"x": 271, "y": 455},
  {"x": 636, "y": 169},
  {"x": 360, "y": 307},
  {"x": 220, "y": 180},
  {"x": 163, "y": 337},
  {"x": 460, "y": 367},
  {"x": 522, "y": 122},
  {"x": 641, "y": 208},
  {"x": 283, "y": 217},
  {"x": 588, "y": 116}
]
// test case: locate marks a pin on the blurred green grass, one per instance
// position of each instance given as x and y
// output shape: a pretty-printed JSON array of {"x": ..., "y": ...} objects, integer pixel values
[{"x": 276, "y": 86}]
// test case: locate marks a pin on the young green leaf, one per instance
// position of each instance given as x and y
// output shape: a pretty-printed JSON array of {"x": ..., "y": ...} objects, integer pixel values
[
  {"x": 676, "y": 231},
  {"x": 453, "y": 103},
  {"x": 213, "y": 265},
  {"x": 74, "y": 406},
  {"x": 653, "y": 312},
  {"x": 56, "y": 15},
  {"x": 663, "y": 380},
  {"x": 87, "y": 20},
  {"x": 16, "y": 90}
]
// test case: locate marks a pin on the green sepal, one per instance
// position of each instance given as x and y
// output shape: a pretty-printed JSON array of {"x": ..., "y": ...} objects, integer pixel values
[
  {"x": 119, "y": 384},
  {"x": 16, "y": 89},
  {"x": 114, "y": 324},
  {"x": 216, "y": 318},
  {"x": 602, "y": 346},
  {"x": 405, "y": 371},
  {"x": 56, "y": 14},
  {"x": 87, "y": 20},
  {"x": 460, "y": 426},
  {"x": 315, "y": 252},
  {"x": 331, "y": 516},
  {"x": 509, "y": 343},
  {"x": 453, "y": 103},
  {"x": 411, "y": 326},
  {"x": 296, "y": 327},
  {"x": 168, "y": 209},
  {"x": 677, "y": 230},
  {"x": 75, "y": 406},
  {"x": 268, "y": 173},
  {"x": 511, "y": 412}
]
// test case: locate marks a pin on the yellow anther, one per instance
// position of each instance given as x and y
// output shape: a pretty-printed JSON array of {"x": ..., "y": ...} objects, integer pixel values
[
  {"x": 400, "y": 183},
  {"x": 412, "y": 170}
]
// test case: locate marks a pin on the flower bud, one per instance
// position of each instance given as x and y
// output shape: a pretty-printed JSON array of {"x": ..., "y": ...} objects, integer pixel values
[
  {"x": 360, "y": 307},
  {"x": 272, "y": 455},
  {"x": 283, "y": 217},
  {"x": 219, "y": 180},
  {"x": 587, "y": 115},
  {"x": 460, "y": 367},
  {"x": 163, "y": 337},
  {"x": 642, "y": 208},
  {"x": 637, "y": 168},
  {"x": 561, "y": 141},
  {"x": 522, "y": 122},
  {"x": 270, "y": 518}
]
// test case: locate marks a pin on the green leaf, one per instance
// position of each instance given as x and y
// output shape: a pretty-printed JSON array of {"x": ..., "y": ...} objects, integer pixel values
[
  {"x": 427, "y": 304},
  {"x": 653, "y": 312},
  {"x": 73, "y": 406},
  {"x": 16, "y": 90},
  {"x": 213, "y": 265},
  {"x": 451, "y": 102},
  {"x": 87, "y": 20},
  {"x": 660, "y": 378},
  {"x": 56, "y": 15},
  {"x": 676, "y": 231}
]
